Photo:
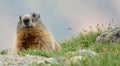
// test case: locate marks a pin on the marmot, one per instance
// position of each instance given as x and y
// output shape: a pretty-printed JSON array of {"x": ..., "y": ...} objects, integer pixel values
[{"x": 32, "y": 34}]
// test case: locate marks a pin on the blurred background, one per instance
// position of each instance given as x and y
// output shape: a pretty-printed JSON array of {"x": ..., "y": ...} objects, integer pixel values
[{"x": 62, "y": 17}]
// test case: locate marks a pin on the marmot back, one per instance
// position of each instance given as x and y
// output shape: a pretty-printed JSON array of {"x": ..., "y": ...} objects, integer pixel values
[{"x": 32, "y": 34}]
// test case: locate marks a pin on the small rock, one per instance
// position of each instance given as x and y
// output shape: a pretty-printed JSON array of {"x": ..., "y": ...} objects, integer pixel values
[
  {"x": 73, "y": 61},
  {"x": 1, "y": 64},
  {"x": 61, "y": 59},
  {"x": 49, "y": 60},
  {"x": 91, "y": 53},
  {"x": 40, "y": 62}
]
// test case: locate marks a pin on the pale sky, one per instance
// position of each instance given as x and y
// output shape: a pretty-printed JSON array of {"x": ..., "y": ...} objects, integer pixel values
[{"x": 57, "y": 15}]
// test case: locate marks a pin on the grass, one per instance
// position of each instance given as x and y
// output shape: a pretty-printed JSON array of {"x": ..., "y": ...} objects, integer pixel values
[
  {"x": 109, "y": 55},
  {"x": 3, "y": 52}
]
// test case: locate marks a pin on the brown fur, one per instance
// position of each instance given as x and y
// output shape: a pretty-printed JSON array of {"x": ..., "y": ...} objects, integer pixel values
[{"x": 35, "y": 38}]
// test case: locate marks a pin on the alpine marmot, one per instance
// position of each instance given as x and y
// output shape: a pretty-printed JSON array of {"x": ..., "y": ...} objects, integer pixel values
[{"x": 32, "y": 34}]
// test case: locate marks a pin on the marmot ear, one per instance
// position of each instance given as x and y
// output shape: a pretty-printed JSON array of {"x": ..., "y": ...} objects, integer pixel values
[
  {"x": 20, "y": 17},
  {"x": 38, "y": 15},
  {"x": 35, "y": 15}
]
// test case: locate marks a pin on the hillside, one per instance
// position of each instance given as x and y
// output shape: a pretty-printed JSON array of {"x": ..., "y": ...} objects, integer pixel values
[{"x": 82, "y": 50}]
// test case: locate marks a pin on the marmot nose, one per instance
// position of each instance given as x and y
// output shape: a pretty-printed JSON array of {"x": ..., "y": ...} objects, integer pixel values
[{"x": 26, "y": 21}]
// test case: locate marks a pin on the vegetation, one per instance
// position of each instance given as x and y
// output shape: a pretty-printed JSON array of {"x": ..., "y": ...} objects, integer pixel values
[{"x": 109, "y": 53}]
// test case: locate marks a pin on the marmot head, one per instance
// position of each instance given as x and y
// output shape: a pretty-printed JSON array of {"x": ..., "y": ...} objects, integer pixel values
[{"x": 29, "y": 20}]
